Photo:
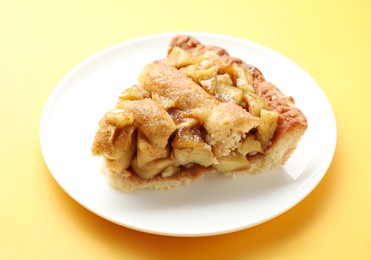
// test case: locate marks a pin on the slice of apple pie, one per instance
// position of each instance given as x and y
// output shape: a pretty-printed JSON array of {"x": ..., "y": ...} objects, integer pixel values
[{"x": 198, "y": 110}]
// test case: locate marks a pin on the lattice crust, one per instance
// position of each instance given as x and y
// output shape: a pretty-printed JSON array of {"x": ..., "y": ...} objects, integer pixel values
[{"x": 195, "y": 111}]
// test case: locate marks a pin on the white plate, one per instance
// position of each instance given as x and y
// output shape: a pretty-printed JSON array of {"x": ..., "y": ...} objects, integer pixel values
[{"x": 213, "y": 205}]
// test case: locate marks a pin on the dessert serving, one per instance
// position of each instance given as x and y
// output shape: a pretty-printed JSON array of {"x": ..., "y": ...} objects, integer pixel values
[{"x": 196, "y": 111}]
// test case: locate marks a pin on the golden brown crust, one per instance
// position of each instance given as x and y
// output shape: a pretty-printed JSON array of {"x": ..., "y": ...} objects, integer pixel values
[
  {"x": 192, "y": 45},
  {"x": 291, "y": 123}
]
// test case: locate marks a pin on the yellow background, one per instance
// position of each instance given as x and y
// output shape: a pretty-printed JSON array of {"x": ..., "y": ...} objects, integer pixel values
[{"x": 41, "y": 41}]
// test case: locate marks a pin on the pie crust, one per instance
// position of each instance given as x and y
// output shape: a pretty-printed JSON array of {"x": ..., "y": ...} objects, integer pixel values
[{"x": 196, "y": 111}]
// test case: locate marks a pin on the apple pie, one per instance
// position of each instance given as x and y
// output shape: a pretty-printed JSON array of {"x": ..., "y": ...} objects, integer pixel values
[{"x": 196, "y": 111}]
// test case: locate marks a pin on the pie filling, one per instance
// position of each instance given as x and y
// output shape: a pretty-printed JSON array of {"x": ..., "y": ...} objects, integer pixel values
[{"x": 189, "y": 109}]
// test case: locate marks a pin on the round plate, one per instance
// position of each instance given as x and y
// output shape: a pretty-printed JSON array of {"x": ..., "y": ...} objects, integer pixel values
[{"x": 214, "y": 205}]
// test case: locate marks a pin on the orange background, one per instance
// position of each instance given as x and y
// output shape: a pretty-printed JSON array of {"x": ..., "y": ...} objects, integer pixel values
[{"x": 41, "y": 41}]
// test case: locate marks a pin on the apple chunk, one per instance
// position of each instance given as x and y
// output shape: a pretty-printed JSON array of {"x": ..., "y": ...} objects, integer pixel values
[{"x": 188, "y": 147}]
